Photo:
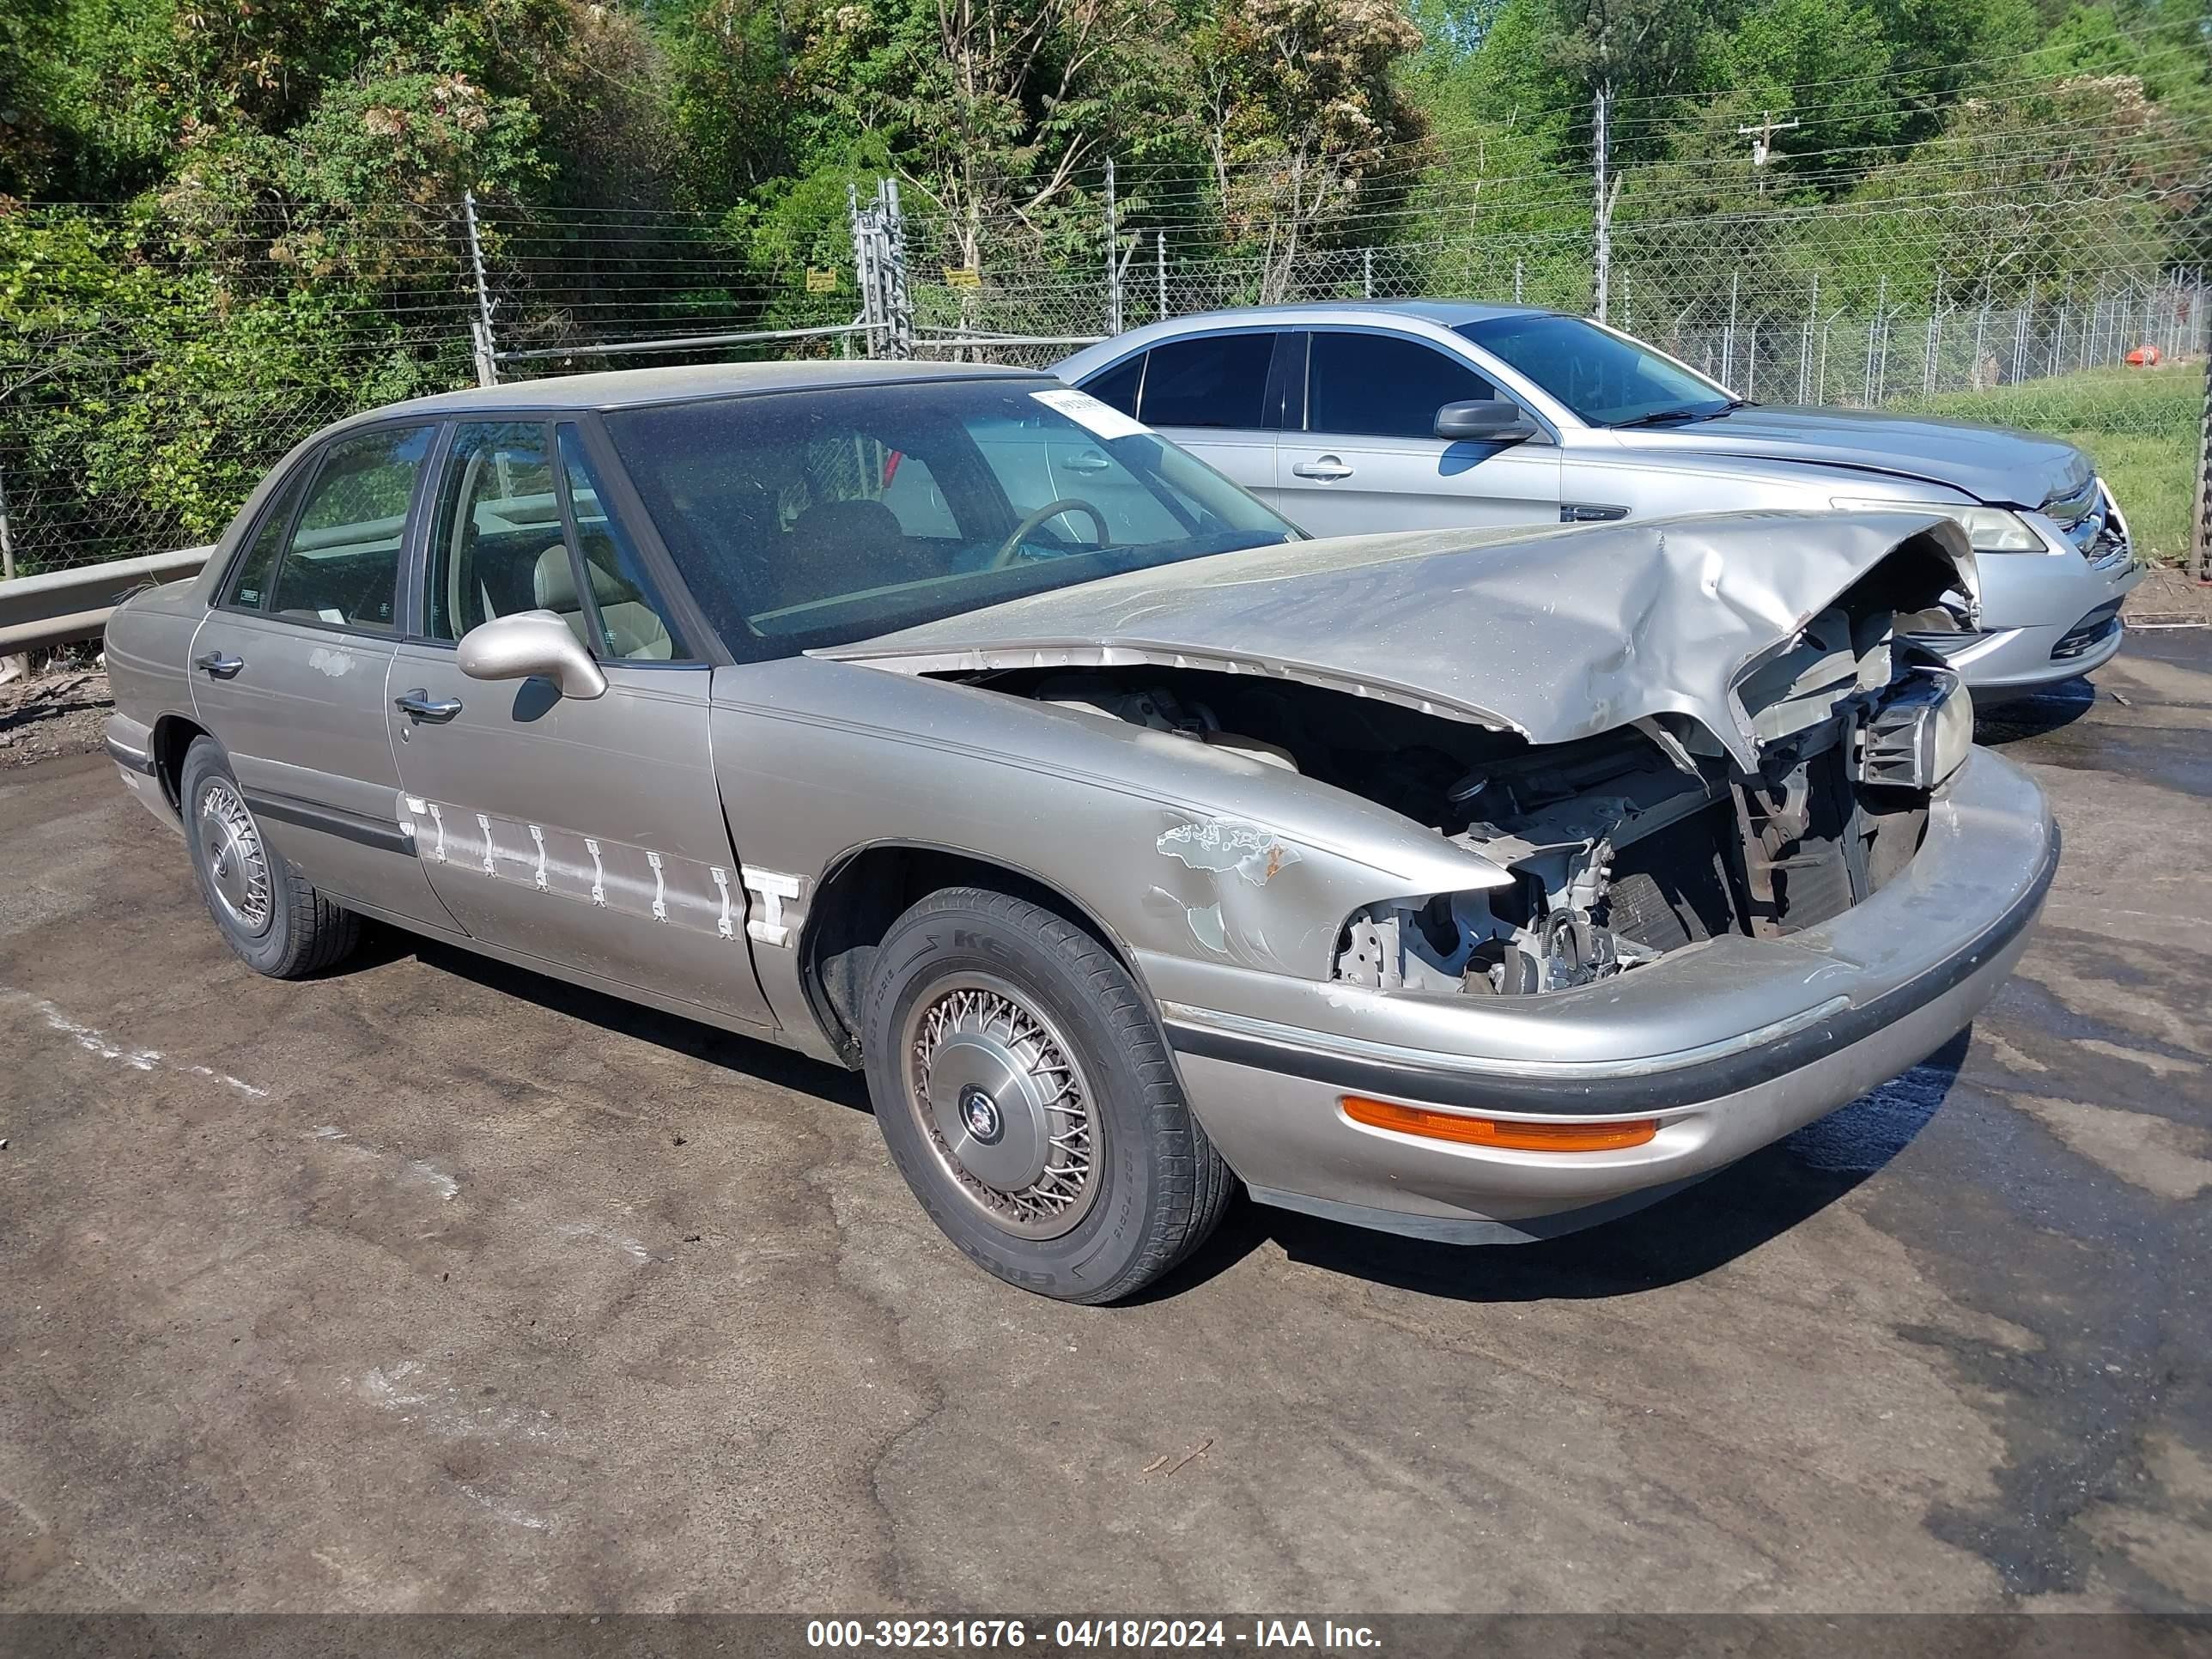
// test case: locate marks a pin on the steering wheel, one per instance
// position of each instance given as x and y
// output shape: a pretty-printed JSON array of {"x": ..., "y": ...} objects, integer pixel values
[{"x": 1012, "y": 544}]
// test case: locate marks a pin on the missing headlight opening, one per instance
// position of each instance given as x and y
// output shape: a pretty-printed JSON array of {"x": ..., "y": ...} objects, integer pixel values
[{"x": 1627, "y": 845}]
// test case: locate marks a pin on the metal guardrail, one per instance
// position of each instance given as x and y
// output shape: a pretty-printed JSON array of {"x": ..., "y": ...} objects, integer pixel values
[{"x": 57, "y": 606}]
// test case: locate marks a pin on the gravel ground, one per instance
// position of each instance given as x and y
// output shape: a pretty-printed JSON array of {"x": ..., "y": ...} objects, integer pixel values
[{"x": 57, "y": 711}]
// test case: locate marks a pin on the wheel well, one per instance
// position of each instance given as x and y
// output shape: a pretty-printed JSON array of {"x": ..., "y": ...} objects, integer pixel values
[
  {"x": 862, "y": 897},
  {"x": 173, "y": 735}
]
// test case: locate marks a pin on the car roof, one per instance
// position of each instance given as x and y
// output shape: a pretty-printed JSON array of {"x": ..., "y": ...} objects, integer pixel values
[
  {"x": 624, "y": 388},
  {"x": 1448, "y": 312}
]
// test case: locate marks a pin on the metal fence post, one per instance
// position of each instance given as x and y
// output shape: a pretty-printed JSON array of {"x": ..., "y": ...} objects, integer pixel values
[
  {"x": 1518, "y": 274},
  {"x": 1367, "y": 272},
  {"x": 1728, "y": 335},
  {"x": 1113, "y": 257},
  {"x": 864, "y": 270},
  {"x": 1160, "y": 268},
  {"x": 487, "y": 355},
  {"x": 898, "y": 303},
  {"x": 1601, "y": 251},
  {"x": 17, "y": 665},
  {"x": 2200, "y": 521}
]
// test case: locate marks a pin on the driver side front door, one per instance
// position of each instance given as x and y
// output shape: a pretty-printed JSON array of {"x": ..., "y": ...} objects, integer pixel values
[{"x": 582, "y": 832}]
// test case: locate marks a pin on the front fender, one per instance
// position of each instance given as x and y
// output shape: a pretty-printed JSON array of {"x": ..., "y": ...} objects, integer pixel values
[{"x": 1181, "y": 849}]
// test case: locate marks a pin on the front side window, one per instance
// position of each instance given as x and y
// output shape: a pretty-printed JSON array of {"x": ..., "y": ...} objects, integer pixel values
[
  {"x": 500, "y": 544},
  {"x": 1220, "y": 380},
  {"x": 1605, "y": 380},
  {"x": 341, "y": 563},
  {"x": 809, "y": 519},
  {"x": 633, "y": 622},
  {"x": 1382, "y": 386}
]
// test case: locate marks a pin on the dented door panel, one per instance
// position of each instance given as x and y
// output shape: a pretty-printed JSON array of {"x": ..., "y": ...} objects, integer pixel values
[{"x": 584, "y": 832}]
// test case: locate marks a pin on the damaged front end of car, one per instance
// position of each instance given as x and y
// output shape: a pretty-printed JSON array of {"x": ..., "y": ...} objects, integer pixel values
[{"x": 1636, "y": 842}]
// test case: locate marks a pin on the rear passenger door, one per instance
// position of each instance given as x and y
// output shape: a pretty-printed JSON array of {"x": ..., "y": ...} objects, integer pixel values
[
  {"x": 289, "y": 667},
  {"x": 582, "y": 832},
  {"x": 1209, "y": 393},
  {"x": 1368, "y": 459}
]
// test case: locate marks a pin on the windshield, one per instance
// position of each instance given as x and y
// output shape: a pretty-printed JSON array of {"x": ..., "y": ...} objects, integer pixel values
[
  {"x": 1605, "y": 380},
  {"x": 816, "y": 517}
]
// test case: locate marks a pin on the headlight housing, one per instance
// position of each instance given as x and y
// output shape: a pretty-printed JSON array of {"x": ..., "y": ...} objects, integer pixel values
[{"x": 1989, "y": 529}]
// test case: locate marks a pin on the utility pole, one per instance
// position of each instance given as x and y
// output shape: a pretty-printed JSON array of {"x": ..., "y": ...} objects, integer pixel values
[
  {"x": 486, "y": 357},
  {"x": 1762, "y": 141}
]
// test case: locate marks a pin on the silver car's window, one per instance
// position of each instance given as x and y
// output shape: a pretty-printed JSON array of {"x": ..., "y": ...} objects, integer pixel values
[
  {"x": 1217, "y": 379},
  {"x": 1383, "y": 386},
  {"x": 633, "y": 622},
  {"x": 805, "y": 519},
  {"x": 249, "y": 580},
  {"x": 499, "y": 544},
  {"x": 1604, "y": 378},
  {"x": 341, "y": 563}
]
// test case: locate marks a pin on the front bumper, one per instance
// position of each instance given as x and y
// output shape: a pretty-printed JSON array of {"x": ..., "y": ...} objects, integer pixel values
[
  {"x": 2046, "y": 618},
  {"x": 1730, "y": 1044}
]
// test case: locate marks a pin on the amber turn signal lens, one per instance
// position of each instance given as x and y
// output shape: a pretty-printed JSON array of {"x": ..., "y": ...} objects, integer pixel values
[{"x": 1492, "y": 1131}]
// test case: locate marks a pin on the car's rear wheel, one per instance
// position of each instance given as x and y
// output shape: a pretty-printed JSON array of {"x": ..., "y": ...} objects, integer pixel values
[
  {"x": 267, "y": 912},
  {"x": 1025, "y": 1094}
]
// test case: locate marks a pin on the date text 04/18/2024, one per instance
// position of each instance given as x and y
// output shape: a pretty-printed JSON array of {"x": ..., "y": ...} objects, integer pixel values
[{"x": 1319, "y": 1635}]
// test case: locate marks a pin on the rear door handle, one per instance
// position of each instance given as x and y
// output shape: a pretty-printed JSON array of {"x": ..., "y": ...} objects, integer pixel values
[
  {"x": 420, "y": 705},
  {"x": 1329, "y": 466},
  {"x": 217, "y": 663}
]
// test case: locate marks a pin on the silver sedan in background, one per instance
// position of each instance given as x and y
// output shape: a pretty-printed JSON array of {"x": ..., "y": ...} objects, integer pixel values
[{"x": 1419, "y": 415}]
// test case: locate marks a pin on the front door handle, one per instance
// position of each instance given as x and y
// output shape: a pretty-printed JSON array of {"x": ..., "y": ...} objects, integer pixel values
[
  {"x": 1329, "y": 466},
  {"x": 221, "y": 667},
  {"x": 420, "y": 705}
]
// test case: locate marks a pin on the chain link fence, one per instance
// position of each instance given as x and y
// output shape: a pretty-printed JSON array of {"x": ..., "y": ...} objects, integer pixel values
[{"x": 155, "y": 364}]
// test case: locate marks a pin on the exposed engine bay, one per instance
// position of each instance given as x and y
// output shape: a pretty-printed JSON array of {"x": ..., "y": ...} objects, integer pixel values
[{"x": 1624, "y": 845}]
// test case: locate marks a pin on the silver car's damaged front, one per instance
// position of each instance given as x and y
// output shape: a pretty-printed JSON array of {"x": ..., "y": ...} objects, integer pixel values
[{"x": 1720, "y": 854}]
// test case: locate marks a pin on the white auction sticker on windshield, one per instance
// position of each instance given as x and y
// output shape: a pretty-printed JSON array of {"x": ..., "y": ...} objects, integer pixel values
[{"x": 1085, "y": 411}]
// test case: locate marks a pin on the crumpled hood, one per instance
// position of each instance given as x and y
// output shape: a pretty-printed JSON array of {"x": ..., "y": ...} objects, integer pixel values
[
  {"x": 1554, "y": 634},
  {"x": 1991, "y": 464}
]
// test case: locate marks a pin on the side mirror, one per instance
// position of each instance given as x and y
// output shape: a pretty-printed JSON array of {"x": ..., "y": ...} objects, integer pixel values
[
  {"x": 531, "y": 644},
  {"x": 1485, "y": 420}
]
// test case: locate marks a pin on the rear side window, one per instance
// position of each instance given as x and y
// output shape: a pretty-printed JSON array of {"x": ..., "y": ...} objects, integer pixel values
[
  {"x": 1118, "y": 386},
  {"x": 1220, "y": 381},
  {"x": 341, "y": 563},
  {"x": 1382, "y": 386},
  {"x": 249, "y": 582}
]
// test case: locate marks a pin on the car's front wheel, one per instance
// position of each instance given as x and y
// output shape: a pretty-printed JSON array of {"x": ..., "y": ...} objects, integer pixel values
[
  {"x": 1025, "y": 1094},
  {"x": 269, "y": 914}
]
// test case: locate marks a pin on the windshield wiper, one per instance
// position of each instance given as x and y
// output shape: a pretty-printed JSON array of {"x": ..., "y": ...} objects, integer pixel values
[{"x": 1667, "y": 417}]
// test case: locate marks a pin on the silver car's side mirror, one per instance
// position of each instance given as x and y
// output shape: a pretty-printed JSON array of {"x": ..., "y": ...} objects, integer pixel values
[
  {"x": 1485, "y": 420},
  {"x": 531, "y": 644}
]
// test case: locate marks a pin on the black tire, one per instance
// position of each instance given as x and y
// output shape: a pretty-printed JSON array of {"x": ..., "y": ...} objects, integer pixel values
[
  {"x": 1160, "y": 1187},
  {"x": 289, "y": 931}
]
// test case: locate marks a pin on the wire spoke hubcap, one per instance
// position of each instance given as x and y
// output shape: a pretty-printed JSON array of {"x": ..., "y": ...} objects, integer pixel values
[
  {"x": 238, "y": 868},
  {"x": 1003, "y": 1105}
]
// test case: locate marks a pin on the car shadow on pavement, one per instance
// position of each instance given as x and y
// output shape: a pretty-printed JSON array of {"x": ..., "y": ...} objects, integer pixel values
[
  {"x": 2035, "y": 714},
  {"x": 765, "y": 1061},
  {"x": 1728, "y": 1215}
]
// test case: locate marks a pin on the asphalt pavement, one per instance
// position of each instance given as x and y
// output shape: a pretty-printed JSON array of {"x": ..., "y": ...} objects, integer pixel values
[{"x": 433, "y": 1284}]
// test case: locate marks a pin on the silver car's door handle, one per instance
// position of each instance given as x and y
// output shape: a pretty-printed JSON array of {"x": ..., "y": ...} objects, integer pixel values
[
  {"x": 1329, "y": 466},
  {"x": 221, "y": 667},
  {"x": 420, "y": 705}
]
